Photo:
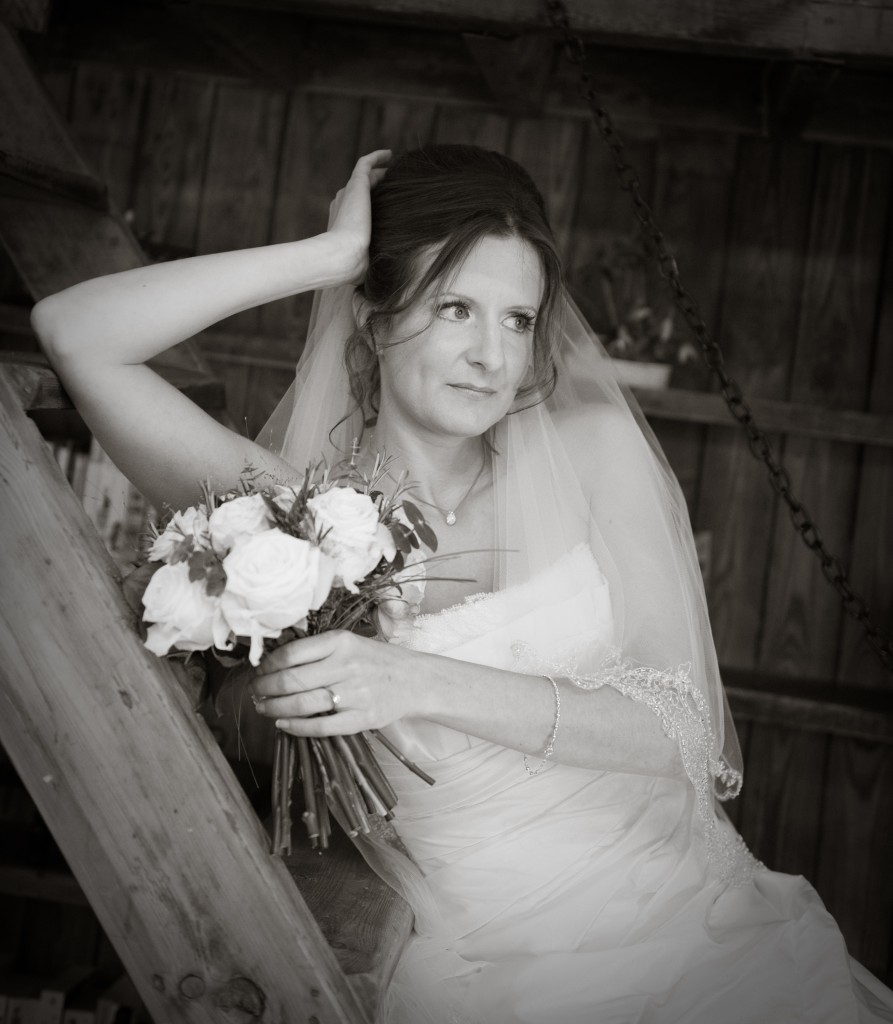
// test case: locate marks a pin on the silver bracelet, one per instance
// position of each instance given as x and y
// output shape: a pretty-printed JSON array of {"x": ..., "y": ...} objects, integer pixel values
[{"x": 550, "y": 746}]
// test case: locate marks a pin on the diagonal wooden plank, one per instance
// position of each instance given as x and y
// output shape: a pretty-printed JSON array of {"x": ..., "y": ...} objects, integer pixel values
[
  {"x": 31, "y": 129},
  {"x": 56, "y": 244},
  {"x": 153, "y": 823}
]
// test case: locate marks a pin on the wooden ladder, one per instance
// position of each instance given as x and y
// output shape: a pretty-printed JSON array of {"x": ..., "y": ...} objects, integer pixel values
[{"x": 145, "y": 808}]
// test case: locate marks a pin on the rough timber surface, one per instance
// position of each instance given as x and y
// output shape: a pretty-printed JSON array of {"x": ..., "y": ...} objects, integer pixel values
[{"x": 155, "y": 827}]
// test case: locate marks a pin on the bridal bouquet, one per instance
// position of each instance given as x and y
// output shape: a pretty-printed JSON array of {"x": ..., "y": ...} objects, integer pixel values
[{"x": 244, "y": 572}]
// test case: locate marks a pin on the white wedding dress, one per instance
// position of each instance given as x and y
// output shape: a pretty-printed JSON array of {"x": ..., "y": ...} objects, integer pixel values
[{"x": 590, "y": 897}]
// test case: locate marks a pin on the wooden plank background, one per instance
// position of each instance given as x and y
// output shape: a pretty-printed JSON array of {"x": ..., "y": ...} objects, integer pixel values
[{"x": 786, "y": 246}]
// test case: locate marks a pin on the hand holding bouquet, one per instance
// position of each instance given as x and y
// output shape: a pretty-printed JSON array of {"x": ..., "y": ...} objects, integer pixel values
[{"x": 245, "y": 572}]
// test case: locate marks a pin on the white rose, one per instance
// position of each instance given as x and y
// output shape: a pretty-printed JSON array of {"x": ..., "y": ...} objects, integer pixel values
[
  {"x": 237, "y": 520},
  {"x": 272, "y": 581},
  {"x": 351, "y": 533},
  {"x": 191, "y": 522},
  {"x": 183, "y": 614}
]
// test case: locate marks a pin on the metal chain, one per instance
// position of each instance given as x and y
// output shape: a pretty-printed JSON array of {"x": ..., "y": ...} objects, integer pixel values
[{"x": 760, "y": 446}]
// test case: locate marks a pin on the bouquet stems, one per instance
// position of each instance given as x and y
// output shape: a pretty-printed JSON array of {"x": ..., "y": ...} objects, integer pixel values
[
  {"x": 414, "y": 768},
  {"x": 337, "y": 771}
]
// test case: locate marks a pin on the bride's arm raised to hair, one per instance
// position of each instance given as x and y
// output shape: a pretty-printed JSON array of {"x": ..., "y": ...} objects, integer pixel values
[{"x": 98, "y": 335}]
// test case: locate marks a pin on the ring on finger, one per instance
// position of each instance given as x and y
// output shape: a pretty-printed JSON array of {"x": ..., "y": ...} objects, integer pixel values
[{"x": 336, "y": 698}]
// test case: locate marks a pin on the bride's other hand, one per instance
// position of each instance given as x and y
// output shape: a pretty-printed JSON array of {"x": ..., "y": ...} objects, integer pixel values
[
  {"x": 368, "y": 683},
  {"x": 350, "y": 219}
]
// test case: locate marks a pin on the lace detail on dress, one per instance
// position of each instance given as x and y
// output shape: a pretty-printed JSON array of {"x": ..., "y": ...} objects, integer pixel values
[
  {"x": 435, "y": 631},
  {"x": 685, "y": 717},
  {"x": 575, "y": 575}
]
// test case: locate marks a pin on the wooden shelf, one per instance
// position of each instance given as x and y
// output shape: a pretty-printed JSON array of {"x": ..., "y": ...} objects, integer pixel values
[
  {"x": 772, "y": 416},
  {"x": 35, "y": 883},
  {"x": 857, "y": 712},
  {"x": 40, "y": 390}
]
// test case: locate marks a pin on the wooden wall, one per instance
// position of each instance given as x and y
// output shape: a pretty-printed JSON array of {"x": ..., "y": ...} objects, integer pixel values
[{"x": 786, "y": 246}]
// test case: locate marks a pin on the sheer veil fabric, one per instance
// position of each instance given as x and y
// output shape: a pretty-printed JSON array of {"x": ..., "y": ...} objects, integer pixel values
[
  {"x": 572, "y": 892},
  {"x": 583, "y": 466}
]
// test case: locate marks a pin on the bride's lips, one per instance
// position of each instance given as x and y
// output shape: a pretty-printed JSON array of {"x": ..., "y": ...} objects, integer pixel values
[{"x": 473, "y": 391}]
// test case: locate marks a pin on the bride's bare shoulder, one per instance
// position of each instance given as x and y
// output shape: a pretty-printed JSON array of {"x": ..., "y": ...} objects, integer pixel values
[{"x": 600, "y": 424}]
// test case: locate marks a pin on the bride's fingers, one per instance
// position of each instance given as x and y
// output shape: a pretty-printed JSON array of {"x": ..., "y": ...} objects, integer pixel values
[
  {"x": 289, "y": 681},
  {"x": 368, "y": 171},
  {"x": 374, "y": 159},
  {"x": 298, "y": 705},
  {"x": 299, "y": 652},
  {"x": 345, "y": 723},
  {"x": 366, "y": 168}
]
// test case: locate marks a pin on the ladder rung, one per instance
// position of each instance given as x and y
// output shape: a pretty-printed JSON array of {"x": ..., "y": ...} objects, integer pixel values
[
  {"x": 39, "y": 388},
  {"x": 80, "y": 188}
]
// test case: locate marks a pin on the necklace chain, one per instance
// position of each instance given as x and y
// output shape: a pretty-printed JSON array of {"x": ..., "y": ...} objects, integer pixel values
[{"x": 449, "y": 514}]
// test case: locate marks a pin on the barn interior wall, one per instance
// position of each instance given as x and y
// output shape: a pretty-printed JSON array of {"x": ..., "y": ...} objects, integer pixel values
[{"x": 785, "y": 244}]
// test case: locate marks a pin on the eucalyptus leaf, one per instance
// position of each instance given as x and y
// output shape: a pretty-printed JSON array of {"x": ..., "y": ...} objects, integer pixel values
[
  {"x": 413, "y": 514},
  {"x": 426, "y": 535}
]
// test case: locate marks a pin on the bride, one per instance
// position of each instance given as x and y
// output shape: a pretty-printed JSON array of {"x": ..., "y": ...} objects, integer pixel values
[{"x": 572, "y": 864}]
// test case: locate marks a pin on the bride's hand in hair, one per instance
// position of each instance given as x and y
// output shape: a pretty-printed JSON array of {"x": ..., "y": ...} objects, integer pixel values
[
  {"x": 350, "y": 213},
  {"x": 370, "y": 684}
]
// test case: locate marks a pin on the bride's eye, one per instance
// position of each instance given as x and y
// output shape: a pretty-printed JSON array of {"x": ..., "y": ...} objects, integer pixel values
[
  {"x": 457, "y": 312},
  {"x": 521, "y": 321}
]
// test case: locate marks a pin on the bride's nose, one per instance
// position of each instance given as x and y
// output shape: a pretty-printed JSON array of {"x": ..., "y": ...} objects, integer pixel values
[{"x": 485, "y": 349}]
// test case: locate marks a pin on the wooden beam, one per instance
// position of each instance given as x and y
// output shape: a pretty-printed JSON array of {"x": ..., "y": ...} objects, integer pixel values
[
  {"x": 82, "y": 188},
  {"x": 154, "y": 825},
  {"x": 795, "y": 28},
  {"x": 641, "y": 88},
  {"x": 857, "y": 712},
  {"x": 772, "y": 416},
  {"x": 39, "y": 389}
]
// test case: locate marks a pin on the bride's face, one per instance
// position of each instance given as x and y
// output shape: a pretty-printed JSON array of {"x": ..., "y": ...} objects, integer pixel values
[{"x": 469, "y": 347}]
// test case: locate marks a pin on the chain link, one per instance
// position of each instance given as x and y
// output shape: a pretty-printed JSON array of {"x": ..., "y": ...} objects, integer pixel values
[{"x": 758, "y": 442}]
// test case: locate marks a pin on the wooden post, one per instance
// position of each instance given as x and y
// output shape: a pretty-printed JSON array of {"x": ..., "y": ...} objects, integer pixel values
[{"x": 151, "y": 820}]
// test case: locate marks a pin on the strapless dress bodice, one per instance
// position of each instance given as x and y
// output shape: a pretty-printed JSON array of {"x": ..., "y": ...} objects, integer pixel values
[{"x": 558, "y": 613}]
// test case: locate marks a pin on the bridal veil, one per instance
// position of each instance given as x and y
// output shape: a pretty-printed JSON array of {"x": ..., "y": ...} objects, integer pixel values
[{"x": 581, "y": 465}]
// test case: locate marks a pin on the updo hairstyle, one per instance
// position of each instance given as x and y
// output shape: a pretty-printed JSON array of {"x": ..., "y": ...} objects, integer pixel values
[{"x": 445, "y": 199}]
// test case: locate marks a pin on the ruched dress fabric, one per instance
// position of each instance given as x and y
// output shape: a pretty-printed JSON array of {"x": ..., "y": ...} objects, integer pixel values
[{"x": 589, "y": 897}]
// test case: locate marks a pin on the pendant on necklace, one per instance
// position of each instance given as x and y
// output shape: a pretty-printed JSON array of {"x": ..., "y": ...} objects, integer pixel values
[{"x": 450, "y": 518}]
